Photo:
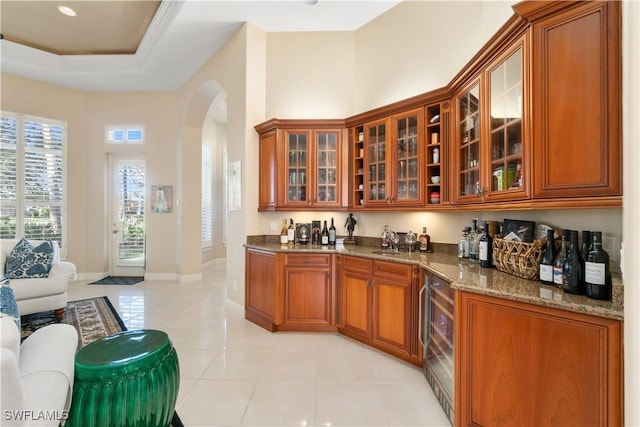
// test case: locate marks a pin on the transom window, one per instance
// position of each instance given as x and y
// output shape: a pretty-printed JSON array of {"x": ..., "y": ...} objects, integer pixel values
[{"x": 124, "y": 134}]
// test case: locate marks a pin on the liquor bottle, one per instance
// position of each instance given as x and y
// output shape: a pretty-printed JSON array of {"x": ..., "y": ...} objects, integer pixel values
[
  {"x": 485, "y": 247},
  {"x": 324, "y": 236},
  {"x": 558, "y": 262},
  {"x": 463, "y": 244},
  {"x": 546, "y": 264},
  {"x": 425, "y": 240},
  {"x": 291, "y": 234},
  {"x": 597, "y": 274},
  {"x": 473, "y": 241},
  {"x": 284, "y": 233},
  {"x": 332, "y": 234},
  {"x": 572, "y": 275}
]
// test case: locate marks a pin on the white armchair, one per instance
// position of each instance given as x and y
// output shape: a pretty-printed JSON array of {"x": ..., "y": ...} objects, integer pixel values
[
  {"x": 40, "y": 294},
  {"x": 37, "y": 376}
]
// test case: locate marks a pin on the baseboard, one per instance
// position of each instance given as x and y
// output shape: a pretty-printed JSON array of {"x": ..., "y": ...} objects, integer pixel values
[
  {"x": 215, "y": 261},
  {"x": 92, "y": 277},
  {"x": 190, "y": 278},
  {"x": 170, "y": 277}
]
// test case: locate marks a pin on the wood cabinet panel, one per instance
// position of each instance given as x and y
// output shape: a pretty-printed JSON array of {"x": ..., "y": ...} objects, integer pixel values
[
  {"x": 260, "y": 288},
  {"x": 527, "y": 365},
  {"x": 392, "y": 314},
  {"x": 267, "y": 171},
  {"x": 577, "y": 102},
  {"x": 308, "y": 299},
  {"x": 355, "y": 303},
  {"x": 308, "y": 259}
]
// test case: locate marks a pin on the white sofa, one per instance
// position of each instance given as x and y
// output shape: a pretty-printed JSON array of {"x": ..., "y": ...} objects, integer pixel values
[
  {"x": 40, "y": 294},
  {"x": 37, "y": 376}
]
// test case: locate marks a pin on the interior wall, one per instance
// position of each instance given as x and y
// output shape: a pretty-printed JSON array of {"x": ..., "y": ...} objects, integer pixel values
[{"x": 418, "y": 46}]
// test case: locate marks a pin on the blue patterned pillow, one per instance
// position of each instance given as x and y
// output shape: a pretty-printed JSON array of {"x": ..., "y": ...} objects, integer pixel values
[
  {"x": 8, "y": 303},
  {"x": 25, "y": 261}
]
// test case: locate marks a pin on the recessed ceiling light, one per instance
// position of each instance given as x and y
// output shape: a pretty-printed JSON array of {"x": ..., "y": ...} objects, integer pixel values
[{"x": 67, "y": 11}]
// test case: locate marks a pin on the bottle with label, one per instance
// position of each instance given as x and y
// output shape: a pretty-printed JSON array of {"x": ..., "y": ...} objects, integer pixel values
[
  {"x": 284, "y": 233},
  {"x": 485, "y": 247},
  {"x": 463, "y": 243},
  {"x": 558, "y": 262},
  {"x": 424, "y": 241},
  {"x": 546, "y": 264},
  {"x": 332, "y": 234},
  {"x": 473, "y": 241},
  {"x": 597, "y": 275},
  {"x": 291, "y": 233},
  {"x": 572, "y": 275},
  {"x": 324, "y": 236}
]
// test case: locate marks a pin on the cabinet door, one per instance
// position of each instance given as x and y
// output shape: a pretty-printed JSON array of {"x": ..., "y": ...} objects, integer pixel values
[
  {"x": 376, "y": 146},
  {"x": 267, "y": 168},
  {"x": 407, "y": 159},
  {"x": 467, "y": 180},
  {"x": 392, "y": 314},
  {"x": 518, "y": 364},
  {"x": 355, "y": 303},
  {"x": 506, "y": 148},
  {"x": 297, "y": 167},
  {"x": 327, "y": 177},
  {"x": 308, "y": 299},
  {"x": 577, "y": 102},
  {"x": 260, "y": 288}
]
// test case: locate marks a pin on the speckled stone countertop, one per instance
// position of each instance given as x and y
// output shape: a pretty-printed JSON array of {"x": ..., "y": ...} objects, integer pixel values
[{"x": 469, "y": 277}]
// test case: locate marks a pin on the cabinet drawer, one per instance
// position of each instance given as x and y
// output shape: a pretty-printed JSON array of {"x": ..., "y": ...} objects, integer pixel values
[
  {"x": 308, "y": 259},
  {"x": 387, "y": 269},
  {"x": 362, "y": 265}
]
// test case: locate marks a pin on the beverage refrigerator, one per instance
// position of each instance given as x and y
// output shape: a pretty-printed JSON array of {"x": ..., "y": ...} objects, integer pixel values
[{"x": 437, "y": 339}]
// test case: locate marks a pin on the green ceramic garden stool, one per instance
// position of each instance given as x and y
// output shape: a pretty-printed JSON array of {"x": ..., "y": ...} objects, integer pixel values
[{"x": 127, "y": 379}]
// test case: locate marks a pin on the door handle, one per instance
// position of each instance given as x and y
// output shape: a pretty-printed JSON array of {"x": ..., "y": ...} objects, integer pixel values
[{"x": 420, "y": 319}]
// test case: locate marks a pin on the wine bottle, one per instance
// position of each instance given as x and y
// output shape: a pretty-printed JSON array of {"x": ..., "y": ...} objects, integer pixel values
[
  {"x": 485, "y": 247},
  {"x": 546, "y": 264},
  {"x": 558, "y": 262},
  {"x": 473, "y": 241},
  {"x": 597, "y": 274},
  {"x": 291, "y": 234},
  {"x": 425, "y": 240},
  {"x": 572, "y": 275},
  {"x": 284, "y": 233},
  {"x": 585, "y": 249},
  {"x": 324, "y": 236},
  {"x": 332, "y": 234},
  {"x": 384, "y": 238}
]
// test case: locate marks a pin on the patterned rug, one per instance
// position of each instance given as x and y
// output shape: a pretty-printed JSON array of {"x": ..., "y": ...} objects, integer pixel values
[
  {"x": 93, "y": 318},
  {"x": 118, "y": 280}
]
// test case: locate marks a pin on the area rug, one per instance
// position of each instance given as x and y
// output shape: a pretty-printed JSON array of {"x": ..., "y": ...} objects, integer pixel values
[
  {"x": 118, "y": 280},
  {"x": 93, "y": 318}
]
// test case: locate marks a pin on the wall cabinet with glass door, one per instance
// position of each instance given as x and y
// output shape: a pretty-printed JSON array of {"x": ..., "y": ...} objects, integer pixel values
[
  {"x": 491, "y": 141},
  {"x": 306, "y": 168},
  {"x": 394, "y": 160},
  {"x": 436, "y": 181}
]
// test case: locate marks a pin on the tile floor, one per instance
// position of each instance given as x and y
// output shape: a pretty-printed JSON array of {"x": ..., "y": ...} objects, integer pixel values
[{"x": 234, "y": 373}]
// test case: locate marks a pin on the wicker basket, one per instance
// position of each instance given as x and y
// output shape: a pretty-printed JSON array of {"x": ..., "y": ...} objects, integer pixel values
[{"x": 518, "y": 258}]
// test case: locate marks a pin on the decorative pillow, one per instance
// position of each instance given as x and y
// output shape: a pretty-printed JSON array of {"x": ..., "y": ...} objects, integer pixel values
[
  {"x": 25, "y": 261},
  {"x": 8, "y": 304}
]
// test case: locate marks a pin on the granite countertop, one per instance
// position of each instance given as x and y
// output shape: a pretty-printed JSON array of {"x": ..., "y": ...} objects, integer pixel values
[{"x": 470, "y": 277}]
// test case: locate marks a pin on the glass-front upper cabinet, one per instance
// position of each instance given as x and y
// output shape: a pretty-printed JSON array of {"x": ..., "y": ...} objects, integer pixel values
[
  {"x": 408, "y": 158},
  {"x": 469, "y": 140},
  {"x": 491, "y": 142},
  {"x": 313, "y": 172},
  {"x": 505, "y": 89},
  {"x": 327, "y": 155},
  {"x": 297, "y": 168},
  {"x": 376, "y": 161}
]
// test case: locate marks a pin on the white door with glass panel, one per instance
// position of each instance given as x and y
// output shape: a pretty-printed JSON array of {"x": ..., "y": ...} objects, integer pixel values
[{"x": 127, "y": 230}]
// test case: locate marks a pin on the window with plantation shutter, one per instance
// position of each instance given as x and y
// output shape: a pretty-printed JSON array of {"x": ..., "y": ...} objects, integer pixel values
[
  {"x": 32, "y": 177},
  {"x": 207, "y": 195}
]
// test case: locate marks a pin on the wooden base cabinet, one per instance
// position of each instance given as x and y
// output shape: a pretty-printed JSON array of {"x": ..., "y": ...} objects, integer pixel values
[
  {"x": 376, "y": 305},
  {"x": 261, "y": 277},
  {"x": 308, "y": 293},
  {"x": 519, "y": 364}
]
